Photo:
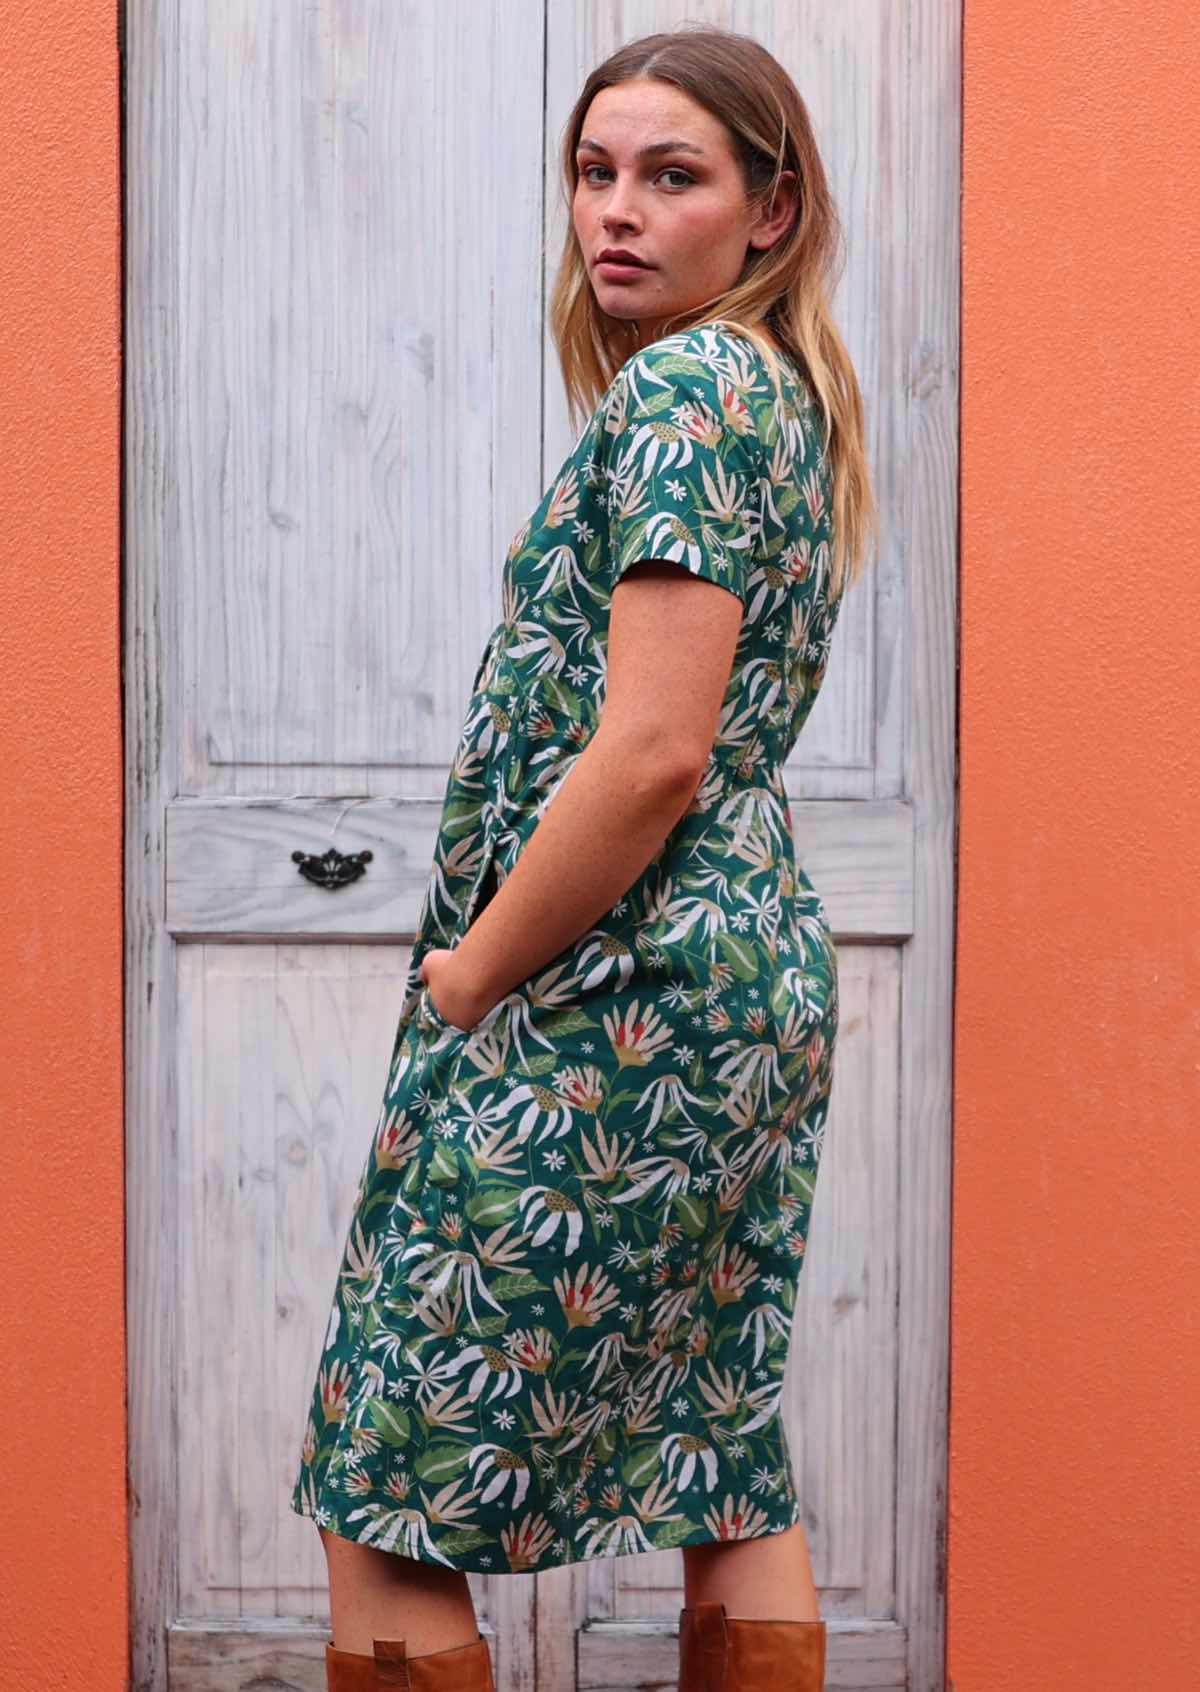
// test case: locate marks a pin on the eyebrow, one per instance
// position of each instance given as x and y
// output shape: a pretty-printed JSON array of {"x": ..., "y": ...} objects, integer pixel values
[{"x": 674, "y": 145}]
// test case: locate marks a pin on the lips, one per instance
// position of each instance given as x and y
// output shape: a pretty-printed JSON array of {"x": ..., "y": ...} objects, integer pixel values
[{"x": 623, "y": 258}]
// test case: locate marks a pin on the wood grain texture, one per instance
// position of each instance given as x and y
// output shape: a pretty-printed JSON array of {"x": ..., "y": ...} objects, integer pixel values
[{"x": 230, "y": 871}]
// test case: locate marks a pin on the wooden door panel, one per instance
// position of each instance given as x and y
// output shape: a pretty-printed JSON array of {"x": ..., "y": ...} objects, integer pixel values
[{"x": 231, "y": 870}]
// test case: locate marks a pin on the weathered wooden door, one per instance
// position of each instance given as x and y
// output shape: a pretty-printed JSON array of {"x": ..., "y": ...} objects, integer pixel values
[{"x": 342, "y": 220}]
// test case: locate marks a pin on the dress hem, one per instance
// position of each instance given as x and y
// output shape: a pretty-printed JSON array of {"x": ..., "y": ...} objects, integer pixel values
[{"x": 326, "y": 1518}]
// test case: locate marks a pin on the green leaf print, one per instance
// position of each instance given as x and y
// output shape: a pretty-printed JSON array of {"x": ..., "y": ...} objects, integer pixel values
[
  {"x": 802, "y": 1180},
  {"x": 463, "y": 1539},
  {"x": 443, "y": 1167},
  {"x": 492, "y": 1207},
  {"x": 391, "y": 1421},
  {"x": 605, "y": 1444},
  {"x": 443, "y": 1462},
  {"x": 641, "y": 1466},
  {"x": 654, "y": 403},
  {"x": 516, "y": 1285},
  {"x": 554, "y": 692},
  {"x": 671, "y": 1534},
  {"x": 768, "y": 429},
  {"x": 692, "y": 1213},
  {"x": 679, "y": 364},
  {"x": 741, "y": 955},
  {"x": 561, "y": 1023}
]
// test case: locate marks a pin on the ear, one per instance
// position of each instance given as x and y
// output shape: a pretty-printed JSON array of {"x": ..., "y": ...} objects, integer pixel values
[{"x": 776, "y": 219}]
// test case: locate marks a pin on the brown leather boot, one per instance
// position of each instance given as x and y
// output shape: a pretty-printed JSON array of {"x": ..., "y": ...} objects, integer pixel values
[
  {"x": 722, "y": 1653},
  {"x": 463, "y": 1668},
  {"x": 348, "y": 1671}
]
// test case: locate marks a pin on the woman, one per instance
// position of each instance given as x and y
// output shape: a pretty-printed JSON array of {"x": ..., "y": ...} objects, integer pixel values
[{"x": 564, "y": 1306}]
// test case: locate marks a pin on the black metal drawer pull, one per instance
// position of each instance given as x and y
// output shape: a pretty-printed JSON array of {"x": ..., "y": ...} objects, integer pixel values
[{"x": 332, "y": 869}]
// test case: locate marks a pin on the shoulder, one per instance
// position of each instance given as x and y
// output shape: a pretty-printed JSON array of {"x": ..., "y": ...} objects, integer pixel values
[
  {"x": 709, "y": 380},
  {"x": 702, "y": 356}
]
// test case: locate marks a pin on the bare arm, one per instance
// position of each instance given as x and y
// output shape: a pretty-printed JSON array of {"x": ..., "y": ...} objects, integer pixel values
[{"x": 671, "y": 642}]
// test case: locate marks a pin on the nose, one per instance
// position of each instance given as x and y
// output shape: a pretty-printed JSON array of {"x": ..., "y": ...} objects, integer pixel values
[
  {"x": 620, "y": 211},
  {"x": 619, "y": 223}
]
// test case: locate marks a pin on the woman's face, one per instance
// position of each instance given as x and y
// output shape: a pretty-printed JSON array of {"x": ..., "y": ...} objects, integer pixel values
[{"x": 658, "y": 178}]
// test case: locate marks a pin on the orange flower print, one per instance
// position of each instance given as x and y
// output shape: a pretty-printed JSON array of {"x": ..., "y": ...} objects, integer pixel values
[
  {"x": 334, "y": 1386},
  {"x": 735, "y": 413},
  {"x": 585, "y": 1296}
]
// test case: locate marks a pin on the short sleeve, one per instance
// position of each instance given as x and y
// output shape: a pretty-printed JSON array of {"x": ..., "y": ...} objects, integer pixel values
[{"x": 684, "y": 469}]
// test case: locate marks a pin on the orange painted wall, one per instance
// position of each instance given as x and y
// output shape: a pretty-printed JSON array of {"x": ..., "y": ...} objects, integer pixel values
[
  {"x": 63, "y": 1581},
  {"x": 1074, "y": 1533},
  {"x": 1074, "y": 1542}
]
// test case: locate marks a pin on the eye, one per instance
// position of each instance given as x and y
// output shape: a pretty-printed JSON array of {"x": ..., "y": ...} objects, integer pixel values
[{"x": 671, "y": 170}]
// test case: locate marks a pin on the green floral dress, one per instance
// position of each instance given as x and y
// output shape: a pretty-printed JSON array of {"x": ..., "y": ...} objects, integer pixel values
[{"x": 563, "y": 1309}]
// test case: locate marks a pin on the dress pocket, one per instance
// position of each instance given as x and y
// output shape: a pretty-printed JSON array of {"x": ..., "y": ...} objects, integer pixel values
[{"x": 430, "y": 1018}]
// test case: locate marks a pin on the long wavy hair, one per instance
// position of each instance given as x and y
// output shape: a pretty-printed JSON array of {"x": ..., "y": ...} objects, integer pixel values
[{"x": 788, "y": 286}]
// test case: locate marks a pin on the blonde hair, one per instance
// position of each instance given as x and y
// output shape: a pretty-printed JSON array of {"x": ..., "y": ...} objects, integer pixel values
[{"x": 788, "y": 286}]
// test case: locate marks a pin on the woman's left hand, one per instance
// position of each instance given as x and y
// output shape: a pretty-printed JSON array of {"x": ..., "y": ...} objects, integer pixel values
[{"x": 453, "y": 1002}]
